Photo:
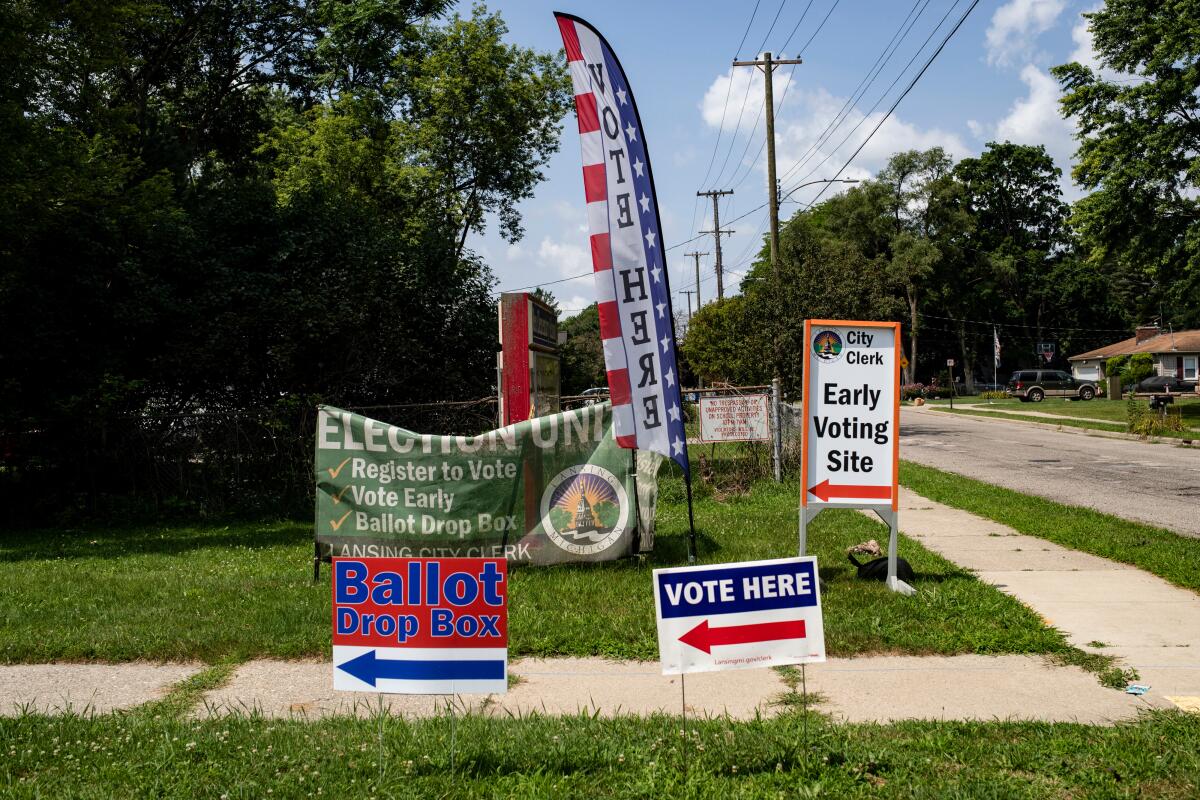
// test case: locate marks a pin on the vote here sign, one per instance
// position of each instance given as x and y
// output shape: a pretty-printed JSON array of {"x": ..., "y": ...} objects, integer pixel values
[
  {"x": 738, "y": 616},
  {"x": 851, "y": 412},
  {"x": 420, "y": 625}
]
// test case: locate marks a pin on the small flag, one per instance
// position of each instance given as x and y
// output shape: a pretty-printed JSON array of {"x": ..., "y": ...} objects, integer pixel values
[{"x": 634, "y": 300}]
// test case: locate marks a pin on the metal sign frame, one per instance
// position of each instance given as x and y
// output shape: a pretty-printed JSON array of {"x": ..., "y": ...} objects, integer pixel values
[{"x": 889, "y": 515}]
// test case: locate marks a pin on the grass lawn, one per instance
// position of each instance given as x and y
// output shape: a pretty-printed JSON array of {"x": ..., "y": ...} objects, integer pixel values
[
  {"x": 144, "y": 754},
  {"x": 1101, "y": 410},
  {"x": 1166, "y": 554},
  {"x": 1087, "y": 424},
  {"x": 231, "y": 592}
]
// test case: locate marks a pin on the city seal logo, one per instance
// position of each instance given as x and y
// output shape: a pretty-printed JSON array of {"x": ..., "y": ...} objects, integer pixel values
[
  {"x": 827, "y": 346},
  {"x": 585, "y": 510}
]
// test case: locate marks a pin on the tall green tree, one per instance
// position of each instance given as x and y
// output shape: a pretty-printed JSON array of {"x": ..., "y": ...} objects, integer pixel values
[
  {"x": 1139, "y": 154},
  {"x": 216, "y": 205}
]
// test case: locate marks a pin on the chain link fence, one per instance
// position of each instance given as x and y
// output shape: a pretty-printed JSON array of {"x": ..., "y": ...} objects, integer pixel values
[{"x": 206, "y": 463}]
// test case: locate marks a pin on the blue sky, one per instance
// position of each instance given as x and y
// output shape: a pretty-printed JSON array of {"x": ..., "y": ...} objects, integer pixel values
[{"x": 990, "y": 83}]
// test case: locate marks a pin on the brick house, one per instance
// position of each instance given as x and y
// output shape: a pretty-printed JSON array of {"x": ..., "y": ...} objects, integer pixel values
[{"x": 1175, "y": 353}]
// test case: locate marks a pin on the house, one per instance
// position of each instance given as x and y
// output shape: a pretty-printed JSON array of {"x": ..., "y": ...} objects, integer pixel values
[{"x": 1175, "y": 353}]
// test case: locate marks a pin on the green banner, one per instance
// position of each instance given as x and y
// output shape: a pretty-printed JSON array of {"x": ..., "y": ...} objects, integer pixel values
[{"x": 546, "y": 491}]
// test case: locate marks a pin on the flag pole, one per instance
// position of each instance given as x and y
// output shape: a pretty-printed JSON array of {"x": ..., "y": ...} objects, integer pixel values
[{"x": 687, "y": 481}]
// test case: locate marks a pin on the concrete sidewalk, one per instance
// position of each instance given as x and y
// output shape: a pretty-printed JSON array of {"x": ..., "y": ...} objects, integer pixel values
[
  {"x": 1150, "y": 624},
  {"x": 873, "y": 689}
]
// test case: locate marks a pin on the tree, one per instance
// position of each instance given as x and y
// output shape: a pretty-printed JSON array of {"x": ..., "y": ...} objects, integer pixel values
[
  {"x": 582, "y": 354},
  {"x": 907, "y": 220},
  {"x": 722, "y": 344},
  {"x": 819, "y": 276},
  {"x": 221, "y": 206},
  {"x": 1139, "y": 154}
]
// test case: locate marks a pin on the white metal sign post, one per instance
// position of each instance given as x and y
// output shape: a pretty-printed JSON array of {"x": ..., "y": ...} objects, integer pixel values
[{"x": 851, "y": 447}]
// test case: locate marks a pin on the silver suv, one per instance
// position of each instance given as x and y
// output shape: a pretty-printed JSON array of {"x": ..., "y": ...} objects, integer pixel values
[{"x": 1035, "y": 385}]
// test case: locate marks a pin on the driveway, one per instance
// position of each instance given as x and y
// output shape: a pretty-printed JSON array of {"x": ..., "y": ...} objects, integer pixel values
[{"x": 1154, "y": 483}]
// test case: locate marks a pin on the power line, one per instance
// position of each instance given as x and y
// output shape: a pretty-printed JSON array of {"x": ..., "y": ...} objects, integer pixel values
[
  {"x": 721, "y": 128},
  {"x": 782, "y": 100},
  {"x": 884, "y": 56},
  {"x": 1019, "y": 325},
  {"x": 903, "y": 94}
]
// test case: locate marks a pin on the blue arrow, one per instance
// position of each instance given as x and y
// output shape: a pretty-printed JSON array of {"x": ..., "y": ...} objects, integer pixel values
[{"x": 368, "y": 669}]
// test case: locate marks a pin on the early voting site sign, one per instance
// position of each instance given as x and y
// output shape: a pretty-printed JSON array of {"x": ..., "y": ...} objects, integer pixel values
[
  {"x": 544, "y": 491},
  {"x": 738, "y": 616},
  {"x": 420, "y": 626},
  {"x": 734, "y": 418},
  {"x": 852, "y": 413}
]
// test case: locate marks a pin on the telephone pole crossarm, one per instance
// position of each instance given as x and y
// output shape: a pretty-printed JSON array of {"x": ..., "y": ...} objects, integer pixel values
[{"x": 717, "y": 234}]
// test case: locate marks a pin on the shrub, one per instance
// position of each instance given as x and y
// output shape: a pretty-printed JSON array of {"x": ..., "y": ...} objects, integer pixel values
[{"x": 911, "y": 391}]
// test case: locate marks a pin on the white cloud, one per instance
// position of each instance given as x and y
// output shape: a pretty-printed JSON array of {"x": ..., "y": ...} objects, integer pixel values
[
  {"x": 1035, "y": 118},
  {"x": 804, "y": 156},
  {"x": 745, "y": 104},
  {"x": 1014, "y": 26},
  {"x": 566, "y": 258}
]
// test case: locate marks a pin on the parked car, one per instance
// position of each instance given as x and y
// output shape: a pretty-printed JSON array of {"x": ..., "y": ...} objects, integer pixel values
[
  {"x": 597, "y": 394},
  {"x": 1035, "y": 385},
  {"x": 1164, "y": 384}
]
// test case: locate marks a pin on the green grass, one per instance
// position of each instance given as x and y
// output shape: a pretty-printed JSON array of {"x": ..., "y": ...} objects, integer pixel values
[
  {"x": 146, "y": 755},
  {"x": 239, "y": 591},
  {"x": 1086, "y": 424},
  {"x": 1157, "y": 550},
  {"x": 1100, "y": 410}
]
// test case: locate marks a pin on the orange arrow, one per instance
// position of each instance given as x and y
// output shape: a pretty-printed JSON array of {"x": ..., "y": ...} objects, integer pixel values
[
  {"x": 705, "y": 638},
  {"x": 825, "y": 490}
]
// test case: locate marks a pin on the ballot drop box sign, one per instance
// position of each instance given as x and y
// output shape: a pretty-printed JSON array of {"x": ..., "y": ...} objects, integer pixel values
[
  {"x": 420, "y": 625},
  {"x": 738, "y": 616},
  {"x": 852, "y": 413}
]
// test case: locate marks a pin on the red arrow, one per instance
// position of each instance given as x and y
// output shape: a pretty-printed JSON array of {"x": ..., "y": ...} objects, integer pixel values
[
  {"x": 825, "y": 490},
  {"x": 705, "y": 638}
]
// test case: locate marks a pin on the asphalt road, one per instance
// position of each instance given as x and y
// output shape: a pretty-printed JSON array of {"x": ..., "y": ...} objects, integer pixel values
[{"x": 1154, "y": 483}]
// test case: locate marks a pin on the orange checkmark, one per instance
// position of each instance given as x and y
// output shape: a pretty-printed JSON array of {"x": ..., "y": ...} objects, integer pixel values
[
  {"x": 337, "y": 498},
  {"x": 338, "y": 524},
  {"x": 333, "y": 471}
]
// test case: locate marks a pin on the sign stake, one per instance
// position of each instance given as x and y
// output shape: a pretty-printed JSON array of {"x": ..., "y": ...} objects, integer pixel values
[
  {"x": 804, "y": 707},
  {"x": 683, "y": 710},
  {"x": 453, "y": 729},
  {"x": 687, "y": 482},
  {"x": 381, "y": 738}
]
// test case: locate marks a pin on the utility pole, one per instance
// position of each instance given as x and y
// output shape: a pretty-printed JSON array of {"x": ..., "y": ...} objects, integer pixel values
[
  {"x": 697, "y": 257},
  {"x": 689, "y": 293},
  {"x": 767, "y": 65},
  {"x": 717, "y": 234}
]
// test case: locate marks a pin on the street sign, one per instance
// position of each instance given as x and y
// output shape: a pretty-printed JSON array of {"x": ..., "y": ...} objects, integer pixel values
[
  {"x": 949, "y": 362},
  {"x": 739, "y": 616},
  {"x": 420, "y": 626},
  {"x": 851, "y": 413},
  {"x": 734, "y": 418}
]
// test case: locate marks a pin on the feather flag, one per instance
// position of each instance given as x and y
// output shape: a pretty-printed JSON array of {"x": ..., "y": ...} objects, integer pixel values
[{"x": 632, "y": 291}]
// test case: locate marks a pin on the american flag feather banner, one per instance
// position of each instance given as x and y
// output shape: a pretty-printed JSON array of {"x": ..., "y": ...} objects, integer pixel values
[{"x": 632, "y": 290}]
